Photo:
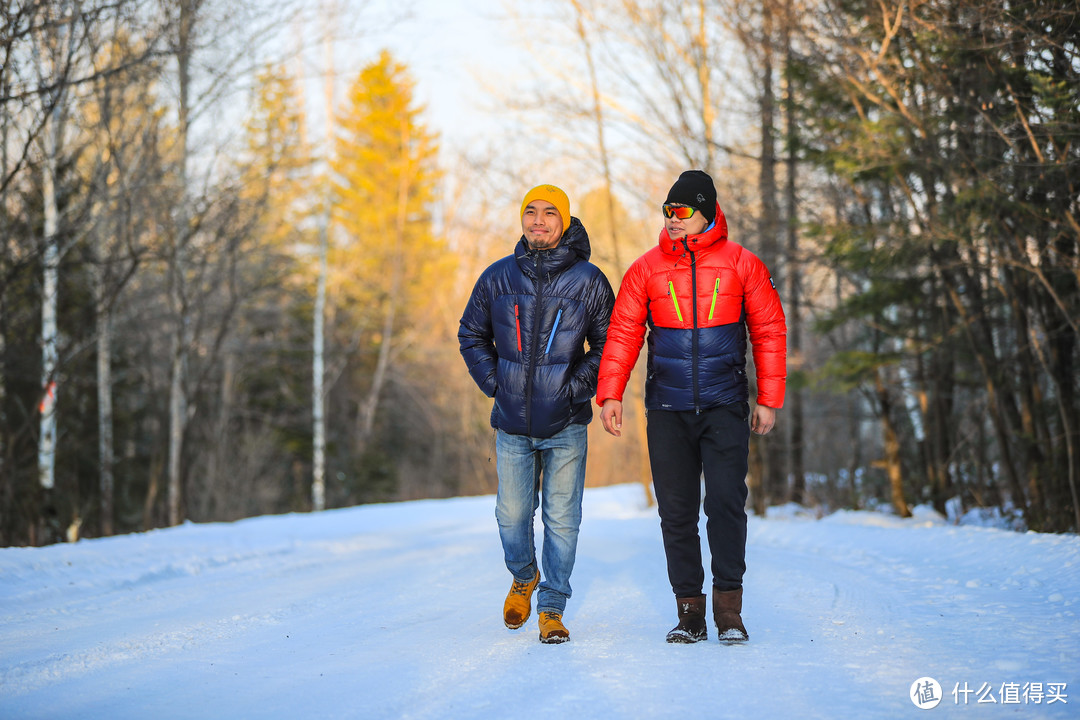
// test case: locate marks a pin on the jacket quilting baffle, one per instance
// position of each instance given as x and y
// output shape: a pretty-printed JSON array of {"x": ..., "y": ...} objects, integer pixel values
[
  {"x": 697, "y": 297},
  {"x": 524, "y": 331}
]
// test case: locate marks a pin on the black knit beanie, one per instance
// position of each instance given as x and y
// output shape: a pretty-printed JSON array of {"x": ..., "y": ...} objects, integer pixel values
[{"x": 694, "y": 188}]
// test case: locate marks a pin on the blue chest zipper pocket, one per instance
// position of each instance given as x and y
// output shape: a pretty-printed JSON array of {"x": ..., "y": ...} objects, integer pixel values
[{"x": 554, "y": 327}]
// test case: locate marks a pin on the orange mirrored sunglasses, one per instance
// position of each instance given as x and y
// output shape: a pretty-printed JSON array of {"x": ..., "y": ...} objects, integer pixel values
[{"x": 679, "y": 211}]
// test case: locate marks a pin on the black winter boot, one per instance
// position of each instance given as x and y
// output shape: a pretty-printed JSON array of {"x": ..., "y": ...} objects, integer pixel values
[
  {"x": 691, "y": 627},
  {"x": 727, "y": 613}
]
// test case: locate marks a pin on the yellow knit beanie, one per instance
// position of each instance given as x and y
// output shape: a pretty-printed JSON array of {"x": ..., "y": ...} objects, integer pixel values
[{"x": 553, "y": 195}]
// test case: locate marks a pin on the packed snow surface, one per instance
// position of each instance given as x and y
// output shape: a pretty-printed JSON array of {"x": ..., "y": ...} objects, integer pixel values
[{"x": 394, "y": 611}]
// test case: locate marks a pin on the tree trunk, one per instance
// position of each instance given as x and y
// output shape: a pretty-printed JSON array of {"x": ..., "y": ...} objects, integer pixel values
[
  {"x": 382, "y": 365},
  {"x": 856, "y": 460},
  {"x": 893, "y": 467},
  {"x": 704, "y": 70},
  {"x": 598, "y": 120},
  {"x": 153, "y": 489},
  {"x": 1002, "y": 411},
  {"x": 7, "y": 481},
  {"x": 318, "y": 364},
  {"x": 50, "y": 279},
  {"x": 768, "y": 224},
  {"x": 178, "y": 371},
  {"x": 794, "y": 414},
  {"x": 1029, "y": 396},
  {"x": 1061, "y": 359},
  {"x": 772, "y": 480},
  {"x": 222, "y": 501},
  {"x": 105, "y": 407},
  {"x": 318, "y": 372}
]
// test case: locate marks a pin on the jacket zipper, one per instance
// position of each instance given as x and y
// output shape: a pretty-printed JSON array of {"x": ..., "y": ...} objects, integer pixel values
[
  {"x": 694, "y": 337},
  {"x": 531, "y": 367}
]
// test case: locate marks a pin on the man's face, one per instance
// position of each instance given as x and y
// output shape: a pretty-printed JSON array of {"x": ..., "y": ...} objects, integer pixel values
[
  {"x": 678, "y": 229},
  {"x": 542, "y": 225}
]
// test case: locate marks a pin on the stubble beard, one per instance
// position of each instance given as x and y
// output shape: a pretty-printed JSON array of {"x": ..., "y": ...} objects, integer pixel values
[{"x": 544, "y": 243}]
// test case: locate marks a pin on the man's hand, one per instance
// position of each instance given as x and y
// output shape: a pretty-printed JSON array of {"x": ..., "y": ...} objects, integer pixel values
[
  {"x": 611, "y": 416},
  {"x": 763, "y": 421}
]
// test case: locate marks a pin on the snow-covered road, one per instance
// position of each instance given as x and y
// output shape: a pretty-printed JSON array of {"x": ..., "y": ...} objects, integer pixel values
[{"x": 394, "y": 611}]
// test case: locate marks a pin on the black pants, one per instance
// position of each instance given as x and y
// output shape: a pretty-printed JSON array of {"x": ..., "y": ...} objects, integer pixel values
[{"x": 682, "y": 445}]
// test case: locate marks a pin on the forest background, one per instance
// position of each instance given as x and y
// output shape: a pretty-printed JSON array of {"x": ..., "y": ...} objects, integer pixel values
[{"x": 219, "y": 299}]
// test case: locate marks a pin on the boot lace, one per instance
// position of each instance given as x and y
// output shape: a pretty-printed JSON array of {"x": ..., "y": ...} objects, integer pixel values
[{"x": 519, "y": 587}]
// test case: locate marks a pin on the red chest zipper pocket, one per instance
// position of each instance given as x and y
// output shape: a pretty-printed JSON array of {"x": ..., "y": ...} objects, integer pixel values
[{"x": 517, "y": 322}]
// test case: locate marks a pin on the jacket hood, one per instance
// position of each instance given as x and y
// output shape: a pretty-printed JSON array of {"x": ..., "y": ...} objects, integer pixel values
[
  {"x": 715, "y": 234},
  {"x": 573, "y": 247}
]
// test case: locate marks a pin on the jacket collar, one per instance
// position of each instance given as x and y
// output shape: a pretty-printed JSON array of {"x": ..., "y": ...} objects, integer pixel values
[
  {"x": 715, "y": 234},
  {"x": 573, "y": 247}
]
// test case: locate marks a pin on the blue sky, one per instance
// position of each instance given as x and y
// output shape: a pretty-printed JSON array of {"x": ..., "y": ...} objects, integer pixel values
[{"x": 452, "y": 47}]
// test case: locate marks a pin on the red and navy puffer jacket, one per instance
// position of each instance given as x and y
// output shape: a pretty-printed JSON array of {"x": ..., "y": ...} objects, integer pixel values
[
  {"x": 524, "y": 330},
  {"x": 698, "y": 297}
]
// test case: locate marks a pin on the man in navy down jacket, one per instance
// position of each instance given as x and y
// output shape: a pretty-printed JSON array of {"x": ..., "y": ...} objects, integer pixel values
[{"x": 523, "y": 337}]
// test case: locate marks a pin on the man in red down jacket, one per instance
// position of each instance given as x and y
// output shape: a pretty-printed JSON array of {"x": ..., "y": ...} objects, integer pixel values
[{"x": 698, "y": 294}]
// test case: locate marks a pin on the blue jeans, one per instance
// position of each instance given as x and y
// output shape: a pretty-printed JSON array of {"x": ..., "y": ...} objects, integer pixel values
[{"x": 547, "y": 473}]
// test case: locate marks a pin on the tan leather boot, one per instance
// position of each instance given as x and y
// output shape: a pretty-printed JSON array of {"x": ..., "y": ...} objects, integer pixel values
[
  {"x": 692, "y": 626},
  {"x": 518, "y": 605},
  {"x": 727, "y": 613},
  {"x": 551, "y": 628}
]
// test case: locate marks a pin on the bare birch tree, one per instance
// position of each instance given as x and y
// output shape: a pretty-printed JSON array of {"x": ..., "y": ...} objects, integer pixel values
[{"x": 229, "y": 38}]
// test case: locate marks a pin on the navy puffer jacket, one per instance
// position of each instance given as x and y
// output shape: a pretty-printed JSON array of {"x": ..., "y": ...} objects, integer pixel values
[{"x": 524, "y": 330}]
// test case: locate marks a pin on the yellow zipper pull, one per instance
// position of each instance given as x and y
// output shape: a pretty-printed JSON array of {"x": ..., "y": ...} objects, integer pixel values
[
  {"x": 674, "y": 300},
  {"x": 715, "y": 291}
]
